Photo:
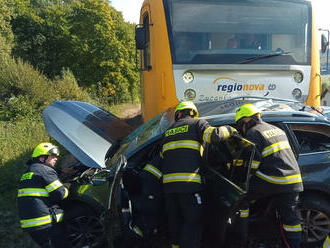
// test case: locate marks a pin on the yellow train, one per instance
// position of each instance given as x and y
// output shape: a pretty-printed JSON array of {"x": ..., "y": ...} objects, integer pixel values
[{"x": 213, "y": 50}]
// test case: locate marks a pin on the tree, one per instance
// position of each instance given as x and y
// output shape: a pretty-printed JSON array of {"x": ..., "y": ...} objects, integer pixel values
[
  {"x": 104, "y": 50},
  {"x": 6, "y": 35},
  {"x": 87, "y": 36}
]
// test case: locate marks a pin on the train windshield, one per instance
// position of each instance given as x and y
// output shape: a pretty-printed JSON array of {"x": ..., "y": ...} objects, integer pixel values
[{"x": 238, "y": 32}]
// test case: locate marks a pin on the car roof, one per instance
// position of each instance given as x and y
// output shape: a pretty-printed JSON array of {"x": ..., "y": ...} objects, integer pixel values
[
  {"x": 272, "y": 110},
  {"x": 272, "y": 116}
]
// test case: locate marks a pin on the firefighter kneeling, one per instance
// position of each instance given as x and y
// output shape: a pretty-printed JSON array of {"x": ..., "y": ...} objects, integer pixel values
[
  {"x": 275, "y": 171},
  {"x": 39, "y": 192}
]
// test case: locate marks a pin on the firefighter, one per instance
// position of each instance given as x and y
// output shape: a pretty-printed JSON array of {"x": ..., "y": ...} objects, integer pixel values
[
  {"x": 147, "y": 206},
  {"x": 39, "y": 193},
  {"x": 182, "y": 183},
  {"x": 144, "y": 190},
  {"x": 275, "y": 171}
]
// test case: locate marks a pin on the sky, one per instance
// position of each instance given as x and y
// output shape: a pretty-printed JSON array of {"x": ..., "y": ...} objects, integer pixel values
[{"x": 131, "y": 11}]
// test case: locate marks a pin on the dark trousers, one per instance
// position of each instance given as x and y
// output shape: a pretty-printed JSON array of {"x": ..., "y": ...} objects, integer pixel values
[
  {"x": 286, "y": 205},
  {"x": 184, "y": 212},
  {"x": 147, "y": 211},
  {"x": 52, "y": 237}
]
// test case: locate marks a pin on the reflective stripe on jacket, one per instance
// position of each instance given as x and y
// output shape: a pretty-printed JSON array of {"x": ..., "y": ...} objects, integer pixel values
[
  {"x": 181, "y": 153},
  {"x": 151, "y": 178},
  {"x": 292, "y": 228},
  {"x": 274, "y": 165},
  {"x": 41, "y": 221},
  {"x": 326, "y": 243},
  {"x": 153, "y": 170},
  {"x": 39, "y": 192}
]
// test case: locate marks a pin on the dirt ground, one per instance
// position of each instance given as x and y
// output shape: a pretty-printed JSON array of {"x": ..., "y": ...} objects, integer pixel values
[{"x": 131, "y": 113}]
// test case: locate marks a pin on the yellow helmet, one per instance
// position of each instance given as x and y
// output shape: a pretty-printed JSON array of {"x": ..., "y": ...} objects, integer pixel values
[
  {"x": 45, "y": 149},
  {"x": 187, "y": 105},
  {"x": 246, "y": 110}
]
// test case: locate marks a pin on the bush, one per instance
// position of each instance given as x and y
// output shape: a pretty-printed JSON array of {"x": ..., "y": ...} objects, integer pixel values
[
  {"x": 66, "y": 87},
  {"x": 25, "y": 92}
]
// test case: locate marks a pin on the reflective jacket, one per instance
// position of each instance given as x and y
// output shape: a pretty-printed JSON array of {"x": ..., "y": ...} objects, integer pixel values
[
  {"x": 181, "y": 152},
  {"x": 149, "y": 203},
  {"x": 151, "y": 177},
  {"x": 274, "y": 167},
  {"x": 39, "y": 192}
]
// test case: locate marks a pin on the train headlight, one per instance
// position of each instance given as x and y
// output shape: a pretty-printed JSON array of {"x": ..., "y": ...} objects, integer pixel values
[
  {"x": 297, "y": 93},
  {"x": 190, "y": 94},
  {"x": 188, "y": 77},
  {"x": 298, "y": 77}
]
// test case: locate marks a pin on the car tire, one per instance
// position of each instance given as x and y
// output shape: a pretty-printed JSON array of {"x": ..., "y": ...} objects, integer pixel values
[
  {"x": 85, "y": 229},
  {"x": 315, "y": 213}
]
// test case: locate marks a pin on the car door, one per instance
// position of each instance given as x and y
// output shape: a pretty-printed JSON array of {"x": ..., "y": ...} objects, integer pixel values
[
  {"x": 225, "y": 185},
  {"x": 314, "y": 162}
]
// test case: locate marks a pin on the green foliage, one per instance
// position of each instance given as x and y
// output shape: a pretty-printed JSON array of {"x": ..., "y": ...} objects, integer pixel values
[
  {"x": 67, "y": 88},
  {"x": 88, "y": 37},
  {"x": 325, "y": 82},
  {"x": 25, "y": 92},
  {"x": 6, "y": 34}
]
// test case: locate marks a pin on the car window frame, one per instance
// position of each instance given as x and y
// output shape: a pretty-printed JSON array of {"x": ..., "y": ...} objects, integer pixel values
[
  {"x": 295, "y": 137},
  {"x": 291, "y": 137}
]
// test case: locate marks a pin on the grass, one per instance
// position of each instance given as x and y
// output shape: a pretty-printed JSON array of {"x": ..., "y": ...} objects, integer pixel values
[{"x": 17, "y": 141}]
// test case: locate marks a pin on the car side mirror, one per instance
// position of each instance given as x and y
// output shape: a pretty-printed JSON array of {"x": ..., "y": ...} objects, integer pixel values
[
  {"x": 140, "y": 37},
  {"x": 324, "y": 43}
]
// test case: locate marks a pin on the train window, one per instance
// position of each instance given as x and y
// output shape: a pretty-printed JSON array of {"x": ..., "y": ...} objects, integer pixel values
[{"x": 146, "y": 50}]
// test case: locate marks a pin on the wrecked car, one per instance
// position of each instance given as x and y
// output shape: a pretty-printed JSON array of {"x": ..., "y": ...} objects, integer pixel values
[{"x": 106, "y": 150}]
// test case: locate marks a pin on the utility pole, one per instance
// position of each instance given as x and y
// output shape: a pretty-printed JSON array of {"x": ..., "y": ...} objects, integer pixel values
[{"x": 327, "y": 30}]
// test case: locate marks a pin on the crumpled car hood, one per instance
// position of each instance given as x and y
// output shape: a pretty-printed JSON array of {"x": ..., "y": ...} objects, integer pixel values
[{"x": 86, "y": 131}]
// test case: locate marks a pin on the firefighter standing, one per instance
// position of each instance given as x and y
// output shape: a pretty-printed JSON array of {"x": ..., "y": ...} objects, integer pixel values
[
  {"x": 39, "y": 192},
  {"x": 274, "y": 168},
  {"x": 182, "y": 184}
]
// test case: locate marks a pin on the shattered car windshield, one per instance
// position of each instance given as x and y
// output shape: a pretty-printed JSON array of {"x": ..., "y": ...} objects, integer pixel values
[{"x": 153, "y": 128}]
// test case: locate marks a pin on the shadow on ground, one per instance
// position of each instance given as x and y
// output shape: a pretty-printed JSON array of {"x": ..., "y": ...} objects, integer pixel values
[{"x": 134, "y": 121}]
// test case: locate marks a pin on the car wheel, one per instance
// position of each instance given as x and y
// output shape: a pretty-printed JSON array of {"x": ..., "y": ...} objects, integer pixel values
[
  {"x": 315, "y": 213},
  {"x": 85, "y": 231}
]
